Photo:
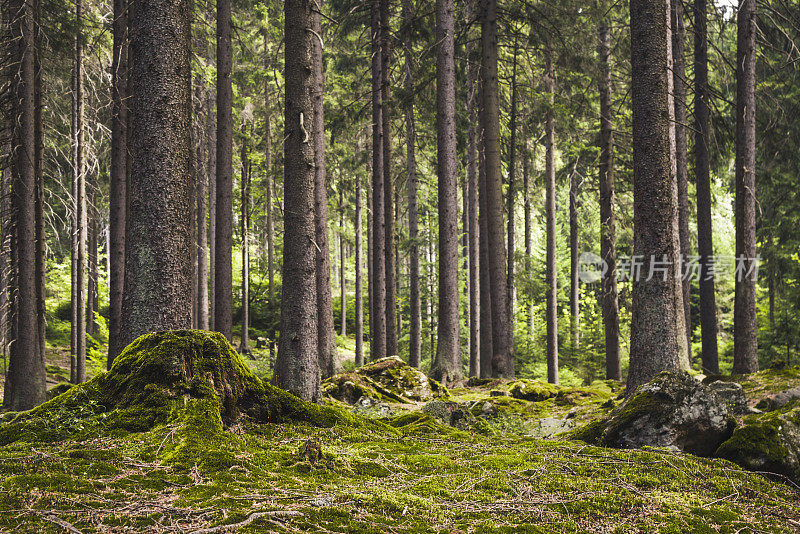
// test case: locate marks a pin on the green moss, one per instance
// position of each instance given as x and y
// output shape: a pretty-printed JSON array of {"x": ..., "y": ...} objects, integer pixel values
[
  {"x": 590, "y": 433},
  {"x": 752, "y": 443},
  {"x": 533, "y": 390}
]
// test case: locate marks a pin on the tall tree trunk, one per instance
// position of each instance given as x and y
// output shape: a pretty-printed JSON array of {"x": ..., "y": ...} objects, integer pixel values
[
  {"x": 297, "y": 368},
  {"x": 158, "y": 282},
  {"x": 359, "y": 263},
  {"x": 473, "y": 235},
  {"x": 526, "y": 172},
  {"x": 223, "y": 268},
  {"x": 415, "y": 304},
  {"x": 25, "y": 381},
  {"x": 486, "y": 337},
  {"x": 379, "y": 267},
  {"x": 503, "y": 350},
  {"x": 212, "y": 208},
  {"x": 575, "y": 288},
  {"x": 388, "y": 183},
  {"x": 342, "y": 270},
  {"x": 708, "y": 304},
  {"x": 328, "y": 359},
  {"x": 244, "y": 347},
  {"x": 38, "y": 128},
  {"x": 79, "y": 203},
  {"x": 269, "y": 212},
  {"x": 658, "y": 335},
  {"x": 447, "y": 365},
  {"x": 608, "y": 221},
  {"x": 681, "y": 155},
  {"x": 551, "y": 281},
  {"x": 92, "y": 291},
  {"x": 204, "y": 174},
  {"x": 512, "y": 190},
  {"x": 745, "y": 313}
]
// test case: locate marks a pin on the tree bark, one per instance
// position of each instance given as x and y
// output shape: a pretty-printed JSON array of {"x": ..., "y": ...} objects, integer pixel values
[
  {"x": 158, "y": 277},
  {"x": 388, "y": 183},
  {"x": 25, "y": 381},
  {"x": 512, "y": 190},
  {"x": 551, "y": 279},
  {"x": 342, "y": 270},
  {"x": 447, "y": 365},
  {"x": 608, "y": 222},
  {"x": 681, "y": 155},
  {"x": 359, "y": 263},
  {"x": 328, "y": 359},
  {"x": 297, "y": 368},
  {"x": 79, "y": 205},
  {"x": 223, "y": 268},
  {"x": 658, "y": 335},
  {"x": 473, "y": 235},
  {"x": 204, "y": 174},
  {"x": 212, "y": 209},
  {"x": 378, "y": 283},
  {"x": 244, "y": 347},
  {"x": 708, "y": 305},
  {"x": 503, "y": 351},
  {"x": 486, "y": 338},
  {"x": 38, "y": 129},
  {"x": 575, "y": 288},
  {"x": 745, "y": 313}
]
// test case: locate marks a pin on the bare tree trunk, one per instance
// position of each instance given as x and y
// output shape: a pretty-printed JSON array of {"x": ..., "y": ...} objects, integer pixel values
[
  {"x": 297, "y": 368},
  {"x": 79, "y": 203},
  {"x": 745, "y": 329},
  {"x": 503, "y": 350},
  {"x": 269, "y": 209},
  {"x": 328, "y": 358},
  {"x": 212, "y": 208},
  {"x": 575, "y": 288},
  {"x": 486, "y": 337},
  {"x": 223, "y": 269},
  {"x": 447, "y": 365},
  {"x": 681, "y": 155},
  {"x": 415, "y": 339},
  {"x": 473, "y": 235},
  {"x": 708, "y": 304},
  {"x": 359, "y": 263},
  {"x": 244, "y": 346},
  {"x": 92, "y": 291},
  {"x": 608, "y": 222},
  {"x": 526, "y": 171},
  {"x": 388, "y": 181},
  {"x": 512, "y": 191},
  {"x": 379, "y": 267},
  {"x": 551, "y": 282},
  {"x": 25, "y": 381},
  {"x": 342, "y": 270},
  {"x": 204, "y": 174},
  {"x": 158, "y": 282},
  {"x": 38, "y": 129},
  {"x": 658, "y": 335}
]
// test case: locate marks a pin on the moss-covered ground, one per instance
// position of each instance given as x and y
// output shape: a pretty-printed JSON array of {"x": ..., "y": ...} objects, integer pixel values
[{"x": 193, "y": 470}]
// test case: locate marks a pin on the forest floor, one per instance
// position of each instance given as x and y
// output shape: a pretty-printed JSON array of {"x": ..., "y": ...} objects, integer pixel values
[{"x": 398, "y": 471}]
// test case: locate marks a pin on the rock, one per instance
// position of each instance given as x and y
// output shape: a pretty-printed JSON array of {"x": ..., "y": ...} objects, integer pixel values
[
  {"x": 767, "y": 442},
  {"x": 497, "y": 393},
  {"x": 673, "y": 411},
  {"x": 732, "y": 393},
  {"x": 779, "y": 400},
  {"x": 488, "y": 409},
  {"x": 373, "y": 408},
  {"x": 533, "y": 390},
  {"x": 451, "y": 414},
  {"x": 388, "y": 380},
  {"x": 550, "y": 427}
]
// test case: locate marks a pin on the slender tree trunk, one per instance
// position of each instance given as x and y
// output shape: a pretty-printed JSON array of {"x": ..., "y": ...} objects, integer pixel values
[
  {"x": 708, "y": 304},
  {"x": 658, "y": 335},
  {"x": 486, "y": 337},
  {"x": 244, "y": 346},
  {"x": 158, "y": 282},
  {"x": 297, "y": 368},
  {"x": 359, "y": 263},
  {"x": 79, "y": 174},
  {"x": 204, "y": 175},
  {"x": 92, "y": 292},
  {"x": 473, "y": 235},
  {"x": 342, "y": 270},
  {"x": 269, "y": 215},
  {"x": 212, "y": 208},
  {"x": 25, "y": 381},
  {"x": 512, "y": 190},
  {"x": 681, "y": 154},
  {"x": 745, "y": 347},
  {"x": 447, "y": 365},
  {"x": 379, "y": 282},
  {"x": 328, "y": 358},
  {"x": 503, "y": 351},
  {"x": 388, "y": 183},
  {"x": 38, "y": 127},
  {"x": 415, "y": 304},
  {"x": 608, "y": 222},
  {"x": 575, "y": 288},
  {"x": 223, "y": 268},
  {"x": 551, "y": 281}
]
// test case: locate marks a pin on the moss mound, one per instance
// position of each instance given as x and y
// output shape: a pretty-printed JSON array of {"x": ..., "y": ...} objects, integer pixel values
[
  {"x": 388, "y": 379},
  {"x": 533, "y": 390},
  {"x": 164, "y": 378}
]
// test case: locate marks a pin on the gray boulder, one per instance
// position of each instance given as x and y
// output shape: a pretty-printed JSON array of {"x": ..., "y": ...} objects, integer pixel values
[
  {"x": 451, "y": 414},
  {"x": 767, "y": 443},
  {"x": 674, "y": 411},
  {"x": 779, "y": 400},
  {"x": 733, "y": 394}
]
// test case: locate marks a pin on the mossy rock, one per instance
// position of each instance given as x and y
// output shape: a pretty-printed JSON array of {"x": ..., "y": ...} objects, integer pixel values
[
  {"x": 388, "y": 379},
  {"x": 768, "y": 443},
  {"x": 163, "y": 378},
  {"x": 533, "y": 390}
]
